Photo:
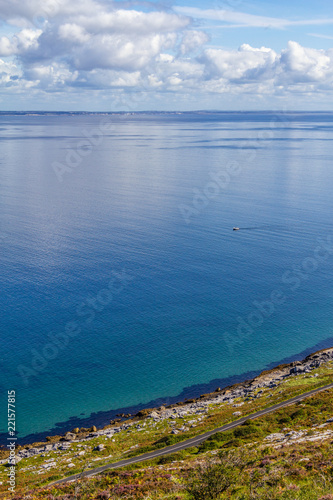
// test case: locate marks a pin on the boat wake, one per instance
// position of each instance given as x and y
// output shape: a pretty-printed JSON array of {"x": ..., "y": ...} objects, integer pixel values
[{"x": 266, "y": 227}]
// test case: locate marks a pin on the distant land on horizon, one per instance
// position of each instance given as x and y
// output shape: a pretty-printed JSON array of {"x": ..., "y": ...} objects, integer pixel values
[{"x": 161, "y": 112}]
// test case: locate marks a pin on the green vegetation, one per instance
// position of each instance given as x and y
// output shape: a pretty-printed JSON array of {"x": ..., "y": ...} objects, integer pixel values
[{"x": 237, "y": 464}]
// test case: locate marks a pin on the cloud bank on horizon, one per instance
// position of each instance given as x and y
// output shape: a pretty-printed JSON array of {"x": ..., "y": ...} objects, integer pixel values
[{"x": 105, "y": 53}]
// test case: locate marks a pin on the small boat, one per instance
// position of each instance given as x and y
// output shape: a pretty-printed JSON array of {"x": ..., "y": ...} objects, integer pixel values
[{"x": 235, "y": 228}]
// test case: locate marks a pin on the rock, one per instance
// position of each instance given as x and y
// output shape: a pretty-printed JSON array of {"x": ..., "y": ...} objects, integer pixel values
[
  {"x": 153, "y": 414},
  {"x": 71, "y": 465},
  {"x": 48, "y": 465},
  {"x": 100, "y": 447},
  {"x": 275, "y": 436},
  {"x": 69, "y": 436},
  {"x": 297, "y": 369},
  {"x": 145, "y": 412},
  {"x": 237, "y": 413},
  {"x": 330, "y": 419},
  {"x": 76, "y": 430},
  {"x": 65, "y": 446},
  {"x": 294, "y": 434}
]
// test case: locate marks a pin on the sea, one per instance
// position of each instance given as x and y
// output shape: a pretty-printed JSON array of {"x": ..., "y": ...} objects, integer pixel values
[{"x": 123, "y": 283}]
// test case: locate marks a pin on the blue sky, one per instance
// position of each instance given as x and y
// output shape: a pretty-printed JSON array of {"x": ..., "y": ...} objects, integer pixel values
[{"x": 101, "y": 55}]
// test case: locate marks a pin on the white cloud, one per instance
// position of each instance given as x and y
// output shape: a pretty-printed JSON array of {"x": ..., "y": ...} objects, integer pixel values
[
  {"x": 9, "y": 73},
  {"x": 318, "y": 35},
  {"x": 242, "y": 19},
  {"x": 301, "y": 64},
  {"x": 121, "y": 51},
  {"x": 51, "y": 76},
  {"x": 87, "y": 45},
  {"x": 192, "y": 40},
  {"x": 19, "y": 12},
  {"x": 241, "y": 65},
  {"x": 73, "y": 33},
  {"x": 137, "y": 23},
  {"x": 21, "y": 42},
  {"x": 262, "y": 70}
]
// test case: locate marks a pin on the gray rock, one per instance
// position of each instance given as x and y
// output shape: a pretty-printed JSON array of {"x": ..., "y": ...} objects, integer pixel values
[
  {"x": 154, "y": 415},
  {"x": 65, "y": 446},
  {"x": 100, "y": 447},
  {"x": 297, "y": 369},
  {"x": 275, "y": 436},
  {"x": 70, "y": 436}
]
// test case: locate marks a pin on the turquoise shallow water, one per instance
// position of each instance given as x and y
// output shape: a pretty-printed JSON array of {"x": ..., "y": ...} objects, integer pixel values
[{"x": 133, "y": 255}]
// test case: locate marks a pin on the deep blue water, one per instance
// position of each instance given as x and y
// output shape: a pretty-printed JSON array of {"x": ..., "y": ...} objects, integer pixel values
[{"x": 143, "y": 269}]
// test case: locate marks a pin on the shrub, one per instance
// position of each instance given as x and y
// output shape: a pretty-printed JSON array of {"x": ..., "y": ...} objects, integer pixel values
[
  {"x": 213, "y": 478},
  {"x": 300, "y": 413},
  {"x": 247, "y": 431},
  {"x": 208, "y": 482}
]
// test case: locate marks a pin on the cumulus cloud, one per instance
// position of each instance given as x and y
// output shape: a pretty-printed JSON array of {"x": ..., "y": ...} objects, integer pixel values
[
  {"x": 138, "y": 23},
  {"x": 301, "y": 64},
  {"x": 9, "y": 73},
  {"x": 18, "y": 12},
  {"x": 73, "y": 33},
  {"x": 55, "y": 75},
  {"x": 93, "y": 44},
  {"x": 93, "y": 35},
  {"x": 192, "y": 40},
  {"x": 245, "y": 64},
  {"x": 121, "y": 51},
  {"x": 21, "y": 42}
]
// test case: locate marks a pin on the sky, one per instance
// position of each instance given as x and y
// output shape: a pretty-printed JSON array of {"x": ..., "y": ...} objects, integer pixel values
[{"x": 103, "y": 55}]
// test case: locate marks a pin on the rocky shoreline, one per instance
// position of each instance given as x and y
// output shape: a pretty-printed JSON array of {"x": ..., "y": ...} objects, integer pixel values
[{"x": 197, "y": 407}]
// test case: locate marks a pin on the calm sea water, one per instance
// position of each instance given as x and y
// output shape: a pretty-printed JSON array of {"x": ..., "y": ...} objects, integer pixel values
[{"x": 133, "y": 254}]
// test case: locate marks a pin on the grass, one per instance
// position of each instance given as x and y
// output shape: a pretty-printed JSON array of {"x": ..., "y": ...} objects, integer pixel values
[{"x": 310, "y": 412}]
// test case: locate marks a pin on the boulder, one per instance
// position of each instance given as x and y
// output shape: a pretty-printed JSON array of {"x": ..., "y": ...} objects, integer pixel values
[
  {"x": 275, "y": 436},
  {"x": 153, "y": 414},
  {"x": 100, "y": 447},
  {"x": 69, "y": 436},
  {"x": 297, "y": 369}
]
